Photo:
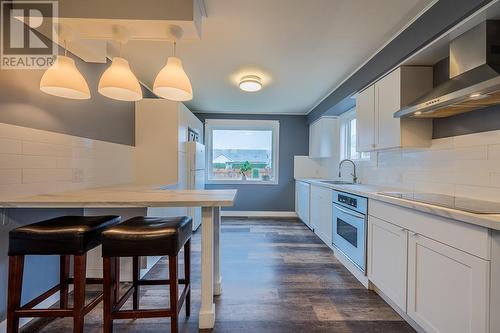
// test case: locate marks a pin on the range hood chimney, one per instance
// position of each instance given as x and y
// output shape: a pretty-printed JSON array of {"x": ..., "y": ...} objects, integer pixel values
[{"x": 474, "y": 76}]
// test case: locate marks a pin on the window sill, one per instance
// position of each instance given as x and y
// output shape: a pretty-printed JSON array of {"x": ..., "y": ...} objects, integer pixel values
[{"x": 240, "y": 182}]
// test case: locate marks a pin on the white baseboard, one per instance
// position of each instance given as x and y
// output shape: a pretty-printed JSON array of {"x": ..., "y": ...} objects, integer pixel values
[
  {"x": 255, "y": 213},
  {"x": 351, "y": 267},
  {"x": 43, "y": 305},
  {"x": 396, "y": 308}
]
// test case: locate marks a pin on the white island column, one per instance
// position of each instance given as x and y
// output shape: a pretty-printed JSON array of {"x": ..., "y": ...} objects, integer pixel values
[
  {"x": 207, "y": 309},
  {"x": 217, "y": 274}
]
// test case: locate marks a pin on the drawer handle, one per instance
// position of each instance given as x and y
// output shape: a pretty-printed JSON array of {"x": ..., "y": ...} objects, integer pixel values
[{"x": 415, "y": 235}]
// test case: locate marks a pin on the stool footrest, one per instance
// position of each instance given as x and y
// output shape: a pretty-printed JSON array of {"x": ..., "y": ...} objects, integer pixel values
[
  {"x": 87, "y": 281},
  {"x": 157, "y": 282},
  {"x": 36, "y": 313},
  {"x": 136, "y": 314}
]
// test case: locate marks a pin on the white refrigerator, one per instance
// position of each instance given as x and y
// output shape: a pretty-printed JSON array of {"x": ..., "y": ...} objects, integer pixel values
[{"x": 196, "y": 176}]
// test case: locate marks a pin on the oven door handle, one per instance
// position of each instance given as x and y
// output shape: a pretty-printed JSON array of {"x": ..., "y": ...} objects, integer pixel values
[{"x": 349, "y": 212}]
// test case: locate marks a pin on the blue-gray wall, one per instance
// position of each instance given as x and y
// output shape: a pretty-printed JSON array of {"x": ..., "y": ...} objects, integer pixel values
[
  {"x": 294, "y": 140},
  {"x": 23, "y": 104}
]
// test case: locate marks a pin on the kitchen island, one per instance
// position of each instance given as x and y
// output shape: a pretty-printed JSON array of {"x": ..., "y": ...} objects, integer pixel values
[{"x": 135, "y": 200}]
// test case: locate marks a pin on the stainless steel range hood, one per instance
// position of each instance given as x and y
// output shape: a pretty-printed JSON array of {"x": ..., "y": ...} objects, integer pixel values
[{"x": 474, "y": 76}]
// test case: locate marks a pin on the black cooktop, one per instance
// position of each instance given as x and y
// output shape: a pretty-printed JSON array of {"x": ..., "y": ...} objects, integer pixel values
[{"x": 459, "y": 203}]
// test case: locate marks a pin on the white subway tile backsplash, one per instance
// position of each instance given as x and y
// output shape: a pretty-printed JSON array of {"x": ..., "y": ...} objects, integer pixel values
[
  {"x": 45, "y": 162},
  {"x": 10, "y": 161},
  {"x": 467, "y": 165},
  {"x": 35, "y": 161},
  {"x": 10, "y": 146},
  {"x": 495, "y": 179},
  {"x": 46, "y": 149},
  {"x": 494, "y": 152},
  {"x": 47, "y": 175},
  {"x": 10, "y": 176}
]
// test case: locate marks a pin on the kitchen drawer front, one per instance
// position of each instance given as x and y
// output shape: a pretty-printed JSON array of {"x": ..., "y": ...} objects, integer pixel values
[{"x": 466, "y": 237}]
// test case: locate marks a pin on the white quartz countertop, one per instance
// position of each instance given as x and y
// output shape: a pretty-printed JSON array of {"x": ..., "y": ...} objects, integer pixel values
[
  {"x": 491, "y": 221},
  {"x": 125, "y": 196}
]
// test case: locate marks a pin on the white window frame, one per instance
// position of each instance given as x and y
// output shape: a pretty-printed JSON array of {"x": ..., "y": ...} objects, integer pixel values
[
  {"x": 238, "y": 124},
  {"x": 345, "y": 137}
]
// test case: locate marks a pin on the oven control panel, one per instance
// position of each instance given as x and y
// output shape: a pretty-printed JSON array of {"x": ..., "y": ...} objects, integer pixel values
[{"x": 353, "y": 202}]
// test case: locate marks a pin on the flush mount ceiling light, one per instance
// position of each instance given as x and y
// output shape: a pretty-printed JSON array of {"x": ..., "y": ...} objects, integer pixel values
[
  {"x": 118, "y": 82},
  {"x": 63, "y": 79},
  {"x": 250, "y": 83},
  {"x": 172, "y": 81}
]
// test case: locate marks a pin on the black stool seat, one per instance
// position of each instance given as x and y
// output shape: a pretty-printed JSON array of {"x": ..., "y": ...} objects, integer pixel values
[
  {"x": 65, "y": 235},
  {"x": 147, "y": 236}
]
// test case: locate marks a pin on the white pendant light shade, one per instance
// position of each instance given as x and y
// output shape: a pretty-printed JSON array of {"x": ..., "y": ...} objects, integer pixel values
[
  {"x": 63, "y": 79},
  {"x": 118, "y": 82},
  {"x": 172, "y": 82}
]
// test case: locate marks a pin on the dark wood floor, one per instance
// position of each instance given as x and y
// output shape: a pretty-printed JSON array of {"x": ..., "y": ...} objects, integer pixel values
[{"x": 277, "y": 277}]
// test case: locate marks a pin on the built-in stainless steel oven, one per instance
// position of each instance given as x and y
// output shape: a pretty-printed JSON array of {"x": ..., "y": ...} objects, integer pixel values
[{"x": 350, "y": 227}]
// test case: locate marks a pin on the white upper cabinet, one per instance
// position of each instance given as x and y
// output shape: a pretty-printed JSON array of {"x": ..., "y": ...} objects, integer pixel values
[
  {"x": 375, "y": 106},
  {"x": 365, "y": 122},
  {"x": 323, "y": 137}
]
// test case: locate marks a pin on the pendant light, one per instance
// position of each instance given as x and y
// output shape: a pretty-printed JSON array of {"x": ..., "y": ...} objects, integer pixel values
[
  {"x": 172, "y": 81},
  {"x": 63, "y": 79},
  {"x": 118, "y": 82}
]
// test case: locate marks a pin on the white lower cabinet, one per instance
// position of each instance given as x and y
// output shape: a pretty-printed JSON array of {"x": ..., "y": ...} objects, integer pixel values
[
  {"x": 387, "y": 259},
  {"x": 321, "y": 212},
  {"x": 448, "y": 289},
  {"x": 439, "y": 277},
  {"x": 302, "y": 201}
]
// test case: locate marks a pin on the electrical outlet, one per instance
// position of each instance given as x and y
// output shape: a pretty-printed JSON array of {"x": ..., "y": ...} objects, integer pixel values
[{"x": 78, "y": 175}]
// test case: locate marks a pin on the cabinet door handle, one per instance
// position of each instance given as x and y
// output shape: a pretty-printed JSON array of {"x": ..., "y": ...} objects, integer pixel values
[
  {"x": 402, "y": 230},
  {"x": 415, "y": 235}
]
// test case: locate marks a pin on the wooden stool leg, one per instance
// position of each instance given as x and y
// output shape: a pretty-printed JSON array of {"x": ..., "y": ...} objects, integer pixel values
[
  {"x": 63, "y": 280},
  {"x": 135, "y": 279},
  {"x": 187, "y": 274},
  {"x": 16, "y": 267},
  {"x": 80, "y": 270},
  {"x": 172, "y": 270},
  {"x": 108, "y": 293},
  {"x": 116, "y": 271}
]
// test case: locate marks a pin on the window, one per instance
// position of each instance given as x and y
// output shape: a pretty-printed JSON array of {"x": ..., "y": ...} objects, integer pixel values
[
  {"x": 348, "y": 138},
  {"x": 242, "y": 151}
]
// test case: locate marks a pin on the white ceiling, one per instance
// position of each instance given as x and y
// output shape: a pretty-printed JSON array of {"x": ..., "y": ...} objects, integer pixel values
[{"x": 302, "y": 49}]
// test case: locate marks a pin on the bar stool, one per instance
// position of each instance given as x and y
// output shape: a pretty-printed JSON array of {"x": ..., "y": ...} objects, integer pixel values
[
  {"x": 64, "y": 236},
  {"x": 146, "y": 236}
]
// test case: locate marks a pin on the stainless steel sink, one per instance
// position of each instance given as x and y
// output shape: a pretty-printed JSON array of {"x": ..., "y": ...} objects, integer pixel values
[{"x": 337, "y": 182}]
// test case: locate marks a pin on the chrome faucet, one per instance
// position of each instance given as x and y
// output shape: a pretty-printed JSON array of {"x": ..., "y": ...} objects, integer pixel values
[{"x": 354, "y": 177}]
